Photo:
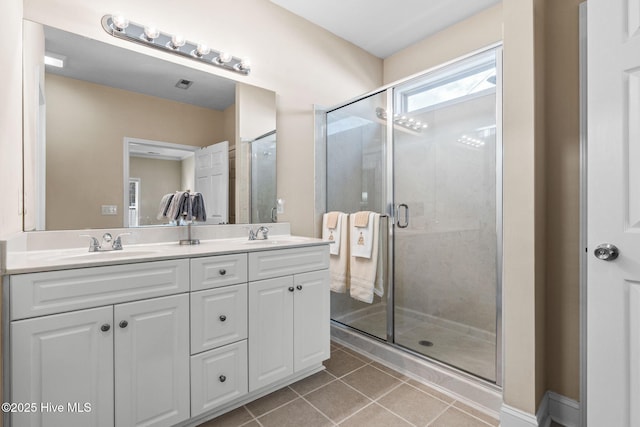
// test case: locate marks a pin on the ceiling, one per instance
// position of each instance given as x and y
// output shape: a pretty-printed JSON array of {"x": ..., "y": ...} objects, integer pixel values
[
  {"x": 105, "y": 64},
  {"x": 383, "y": 28}
]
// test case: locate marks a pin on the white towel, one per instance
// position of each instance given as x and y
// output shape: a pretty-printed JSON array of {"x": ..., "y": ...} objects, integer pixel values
[
  {"x": 362, "y": 238},
  {"x": 338, "y": 263},
  {"x": 366, "y": 275}
]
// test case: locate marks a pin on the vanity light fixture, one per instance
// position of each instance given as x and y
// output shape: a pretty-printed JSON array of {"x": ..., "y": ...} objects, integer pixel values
[
  {"x": 404, "y": 121},
  {"x": 148, "y": 35}
]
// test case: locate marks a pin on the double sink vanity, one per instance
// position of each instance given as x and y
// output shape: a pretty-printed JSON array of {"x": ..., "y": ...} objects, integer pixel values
[{"x": 160, "y": 334}]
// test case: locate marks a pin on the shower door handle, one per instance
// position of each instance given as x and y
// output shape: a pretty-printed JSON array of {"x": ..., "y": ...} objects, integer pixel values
[
  {"x": 274, "y": 214},
  {"x": 406, "y": 215}
]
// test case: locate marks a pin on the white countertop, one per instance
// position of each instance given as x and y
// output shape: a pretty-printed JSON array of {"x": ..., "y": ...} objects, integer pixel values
[{"x": 62, "y": 259}]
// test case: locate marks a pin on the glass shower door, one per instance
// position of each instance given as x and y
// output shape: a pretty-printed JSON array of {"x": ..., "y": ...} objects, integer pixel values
[
  {"x": 445, "y": 236},
  {"x": 356, "y": 181}
]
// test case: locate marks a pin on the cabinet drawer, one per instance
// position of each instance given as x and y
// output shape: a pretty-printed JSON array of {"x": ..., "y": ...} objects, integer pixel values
[
  {"x": 36, "y": 294},
  {"x": 216, "y": 271},
  {"x": 218, "y": 317},
  {"x": 284, "y": 262},
  {"x": 218, "y": 376}
]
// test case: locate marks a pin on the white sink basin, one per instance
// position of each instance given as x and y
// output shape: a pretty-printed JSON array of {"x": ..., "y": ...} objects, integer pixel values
[
  {"x": 285, "y": 240},
  {"x": 106, "y": 255}
]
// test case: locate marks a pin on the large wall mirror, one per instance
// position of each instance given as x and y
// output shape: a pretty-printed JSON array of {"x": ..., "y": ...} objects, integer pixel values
[{"x": 108, "y": 131}]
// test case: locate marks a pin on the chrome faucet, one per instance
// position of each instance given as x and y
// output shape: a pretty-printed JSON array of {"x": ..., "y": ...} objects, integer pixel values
[
  {"x": 265, "y": 232},
  {"x": 253, "y": 235},
  {"x": 108, "y": 242}
]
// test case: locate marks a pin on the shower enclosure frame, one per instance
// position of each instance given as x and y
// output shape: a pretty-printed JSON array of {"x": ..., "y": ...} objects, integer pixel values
[{"x": 391, "y": 209}]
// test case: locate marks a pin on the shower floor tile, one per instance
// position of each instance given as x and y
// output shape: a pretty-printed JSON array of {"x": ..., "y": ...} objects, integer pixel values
[
  {"x": 454, "y": 347},
  {"x": 465, "y": 352}
]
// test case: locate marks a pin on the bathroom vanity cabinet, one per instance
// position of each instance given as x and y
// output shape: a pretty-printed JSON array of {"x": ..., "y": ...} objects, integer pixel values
[
  {"x": 165, "y": 343},
  {"x": 289, "y": 306}
]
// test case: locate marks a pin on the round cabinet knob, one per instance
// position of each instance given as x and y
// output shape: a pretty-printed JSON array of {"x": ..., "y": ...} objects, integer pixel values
[
  {"x": 291, "y": 289},
  {"x": 606, "y": 252},
  {"x": 223, "y": 318},
  {"x": 299, "y": 287},
  {"x": 222, "y": 271},
  {"x": 123, "y": 324},
  {"x": 222, "y": 378},
  {"x": 105, "y": 327}
]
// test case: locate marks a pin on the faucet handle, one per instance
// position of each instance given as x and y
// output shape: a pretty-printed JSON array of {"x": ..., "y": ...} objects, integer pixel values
[
  {"x": 252, "y": 234},
  {"x": 117, "y": 243},
  {"x": 94, "y": 245}
]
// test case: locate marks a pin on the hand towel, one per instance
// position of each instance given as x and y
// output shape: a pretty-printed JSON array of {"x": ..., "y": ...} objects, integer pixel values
[
  {"x": 197, "y": 207},
  {"x": 332, "y": 230},
  {"x": 179, "y": 205},
  {"x": 165, "y": 202},
  {"x": 362, "y": 219},
  {"x": 362, "y": 238},
  {"x": 339, "y": 262},
  {"x": 332, "y": 220},
  {"x": 366, "y": 275}
]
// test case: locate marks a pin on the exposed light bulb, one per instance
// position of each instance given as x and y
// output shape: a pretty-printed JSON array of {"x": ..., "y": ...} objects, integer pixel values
[
  {"x": 202, "y": 50},
  {"x": 120, "y": 22},
  {"x": 177, "y": 41},
  {"x": 245, "y": 64},
  {"x": 151, "y": 32},
  {"x": 225, "y": 57}
]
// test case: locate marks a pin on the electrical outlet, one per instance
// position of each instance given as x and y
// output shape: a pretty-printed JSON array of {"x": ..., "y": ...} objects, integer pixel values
[
  {"x": 109, "y": 210},
  {"x": 280, "y": 204}
]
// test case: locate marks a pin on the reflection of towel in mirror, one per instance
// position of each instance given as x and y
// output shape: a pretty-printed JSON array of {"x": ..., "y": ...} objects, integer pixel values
[
  {"x": 179, "y": 205},
  {"x": 198, "y": 210},
  {"x": 165, "y": 203}
]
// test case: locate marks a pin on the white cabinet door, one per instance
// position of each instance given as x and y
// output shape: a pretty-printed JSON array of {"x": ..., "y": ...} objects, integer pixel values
[
  {"x": 152, "y": 361},
  {"x": 65, "y": 359},
  {"x": 311, "y": 319},
  {"x": 218, "y": 376},
  {"x": 270, "y": 331}
]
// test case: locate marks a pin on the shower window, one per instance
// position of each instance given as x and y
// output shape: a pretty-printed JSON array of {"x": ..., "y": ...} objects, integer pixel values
[{"x": 453, "y": 84}]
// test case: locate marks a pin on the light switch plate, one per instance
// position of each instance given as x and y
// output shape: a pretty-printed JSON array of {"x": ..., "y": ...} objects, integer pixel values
[{"x": 109, "y": 210}]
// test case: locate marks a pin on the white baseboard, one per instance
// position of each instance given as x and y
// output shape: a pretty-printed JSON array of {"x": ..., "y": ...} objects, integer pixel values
[
  {"x": 513, "y": 417},
  {"x": 553, "y": 406},
  {"x": 563, "y": 410}
]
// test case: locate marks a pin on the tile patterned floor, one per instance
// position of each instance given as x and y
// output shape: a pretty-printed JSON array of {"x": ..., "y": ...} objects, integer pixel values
[{"x": 355, "y": 391}]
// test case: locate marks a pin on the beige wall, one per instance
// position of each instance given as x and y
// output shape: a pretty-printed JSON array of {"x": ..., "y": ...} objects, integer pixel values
[
  {"x": 301, "y": 62},
  {"x": 86, "y": 124},
  {"x": 157, "y": 178},
  {"x": 563, "y": 197},
  {"x": 474, "y": 33}
]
